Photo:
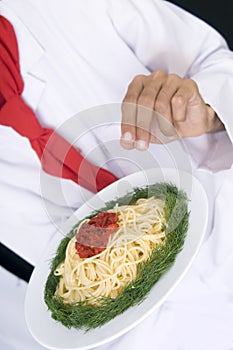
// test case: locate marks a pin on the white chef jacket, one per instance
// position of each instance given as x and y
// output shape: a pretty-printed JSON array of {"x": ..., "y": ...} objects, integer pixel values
[{"x": 78, "y": 57}]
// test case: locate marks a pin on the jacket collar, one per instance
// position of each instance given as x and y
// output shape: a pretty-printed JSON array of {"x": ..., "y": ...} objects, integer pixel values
[{"x": 31, "y": 51}]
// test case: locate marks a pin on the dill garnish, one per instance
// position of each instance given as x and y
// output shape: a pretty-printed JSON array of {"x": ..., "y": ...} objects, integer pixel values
[{"x": 86, "y": 316}]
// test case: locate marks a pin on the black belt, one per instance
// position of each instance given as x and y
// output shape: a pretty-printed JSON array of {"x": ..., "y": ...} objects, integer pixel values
[{"x": 15, "y": 264}]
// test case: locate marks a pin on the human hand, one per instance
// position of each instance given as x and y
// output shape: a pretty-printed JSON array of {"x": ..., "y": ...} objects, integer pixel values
[{"x": 162, "y": 107}]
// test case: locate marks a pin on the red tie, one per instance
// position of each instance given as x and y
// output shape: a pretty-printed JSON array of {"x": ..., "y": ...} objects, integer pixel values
[{"x": 57, "y": 156}]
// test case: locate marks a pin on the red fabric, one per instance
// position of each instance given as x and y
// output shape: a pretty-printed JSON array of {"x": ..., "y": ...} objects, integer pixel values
[{"x": 57, "y": 156}]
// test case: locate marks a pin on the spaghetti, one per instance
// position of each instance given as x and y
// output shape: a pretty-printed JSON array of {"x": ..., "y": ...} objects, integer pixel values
[{"x": 103, "y": 275}]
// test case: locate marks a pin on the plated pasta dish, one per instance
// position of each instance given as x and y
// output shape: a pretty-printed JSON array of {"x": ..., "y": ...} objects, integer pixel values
[{"x": 111, "y": 259}]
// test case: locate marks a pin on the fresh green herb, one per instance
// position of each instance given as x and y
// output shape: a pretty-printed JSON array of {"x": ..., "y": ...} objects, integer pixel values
[{"x": 86, "y": 316}]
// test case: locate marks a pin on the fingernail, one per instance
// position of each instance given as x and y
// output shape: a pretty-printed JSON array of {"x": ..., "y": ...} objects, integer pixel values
[
  {"x": 127, "y": 140},
  {"x": 127, "y": 136},
  {"x": 141, "y": 145}
]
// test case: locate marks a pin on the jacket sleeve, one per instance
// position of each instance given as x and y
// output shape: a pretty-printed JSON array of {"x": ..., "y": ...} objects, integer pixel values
[{"x": 164, "y": 36}]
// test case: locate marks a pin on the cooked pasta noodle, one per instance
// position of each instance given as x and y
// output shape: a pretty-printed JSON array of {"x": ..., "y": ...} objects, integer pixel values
[{"x": 105, "y": 274}]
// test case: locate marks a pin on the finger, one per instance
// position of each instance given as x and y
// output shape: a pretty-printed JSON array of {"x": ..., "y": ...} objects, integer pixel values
[
  {"x": 179, "y": 105},
  {"x": 155, "y": 136},
  {"x": 181, "y": 98},
  {"x": 144, "y": 116},
  {"x": 145, "y": 108},
  {"x": 129, "y": 112},
  {"x": 163, "y": 105},
  {"x": 143, "y": 127}
]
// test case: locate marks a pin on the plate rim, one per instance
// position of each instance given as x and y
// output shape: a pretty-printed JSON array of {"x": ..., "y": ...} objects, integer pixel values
[{"x": 157, "y": 304}]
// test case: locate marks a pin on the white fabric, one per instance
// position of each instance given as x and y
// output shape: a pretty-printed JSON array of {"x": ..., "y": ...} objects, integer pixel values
[{"x": 80, "y": 54}]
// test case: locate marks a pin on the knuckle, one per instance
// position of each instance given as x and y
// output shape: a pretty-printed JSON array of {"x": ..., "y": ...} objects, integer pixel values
[
  {"x": 191, "y": 84},
  {"x": 158, "y": 73},
  {"x": 178, "y": 100},
  {"x": 133, "y": 89},
  {"x": 137, "y": 79},
  {"x": 172, "y": 77},
  {"x": 179, "y": 117}
]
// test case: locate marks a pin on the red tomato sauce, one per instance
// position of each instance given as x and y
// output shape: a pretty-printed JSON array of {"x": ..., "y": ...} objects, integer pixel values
[{"x": 93, "y": 236}]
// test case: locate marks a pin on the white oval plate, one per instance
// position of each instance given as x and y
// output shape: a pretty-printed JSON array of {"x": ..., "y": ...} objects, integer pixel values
[{"x": 54, "y": 335}]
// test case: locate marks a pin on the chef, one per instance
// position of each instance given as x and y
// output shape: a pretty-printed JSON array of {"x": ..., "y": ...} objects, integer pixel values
[{"x": 78, "y": 62}]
